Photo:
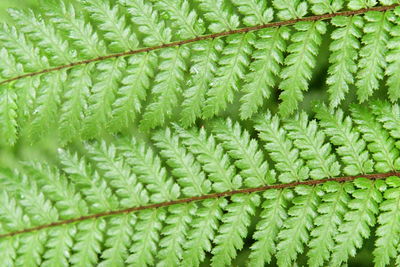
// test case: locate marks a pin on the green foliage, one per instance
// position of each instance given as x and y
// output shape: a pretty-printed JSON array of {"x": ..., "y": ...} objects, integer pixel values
[
  {"x": 103, "y": 79},
  {"x": 101, "y": 164},
  {"x": 98, "y": 188}
]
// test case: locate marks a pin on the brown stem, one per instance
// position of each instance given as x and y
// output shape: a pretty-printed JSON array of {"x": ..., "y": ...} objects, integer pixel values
[
  {"x": 198, "y": 198},
  {"x": 205, "y": 37}
]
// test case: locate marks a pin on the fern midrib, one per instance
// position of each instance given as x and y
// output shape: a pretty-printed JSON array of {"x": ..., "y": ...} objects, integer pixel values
[
  {"x": 204, "y": 37},
  {"x": 374, "y": 176}
]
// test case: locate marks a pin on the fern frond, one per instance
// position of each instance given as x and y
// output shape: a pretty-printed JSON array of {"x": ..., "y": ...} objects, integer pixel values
[
  {"x": 361, "y": 215},
  {"x": 388, "y": 230},
  {"x": 234, "y": 228},
  {"x": 93, "y": 188},
  {"x": 117, "y": 39},
  {"x": 357, "y": 4},
  {"x": 58, "y": 189},
  {"x": 189, "y": 174},
  {"x": 295, "y": 230},
  {"x": 116, "y": 84},
  {"x": 143, "y": 15},
  {"x": 88, "y": 242},
  {"x": 77, "y": 92},
  {"x": 45, "y": 36},
  {"x": 202, "y": 231},
  {"x": 113, "y": 25},
  {"x": 344, "y": 53},
  {"x": 235, "y": 57},
  {"x": 167, "y": 87},
  {"x": 263, "y": 70},
  {"x": 384, "y": 152},
  {"x": 150, "y": 171},
  {"x": 249, "y": 158},
  {"x": 133, "y": 90},
  {"x": 372, "y": 54},
  {"x": 310, "y": 141},
  {"x": 255, "y": 12},
  {"x": 115, "y": 203},
  {"x": 392, "y": 59},
  {"x": 272, "y": 217},
  {"x": 203, "y": 69},
  {"x": 177, "y": 223},
  {"x": 184, "y": 18},
  {"x": 290, "y": 9},
  {"x": 299, "y": 64},
  {"x": 102, "y": 96},
  {"x": 81, "y": 32},
  {"x": 330, "y": 216},
  {"x": 217, "y": 14},
  {"x": 319, "y": 7},
  {"x": 351, "y": 146},
  {"x": 388, "y": 116},
  {"x": 211, "y": 155},
  {"x": 145, "y": 237},
  {"x": 281, "y": 149},
  {"x": 117, "y": 240},
  {"x": 121, "y": 179}
]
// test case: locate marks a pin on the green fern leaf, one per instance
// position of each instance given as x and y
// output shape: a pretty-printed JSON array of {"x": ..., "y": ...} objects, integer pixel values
[
  {"x": 103, "y": 95},
  {"x": 235, "y": 57},
  {"x": 263, "y": 70},
  {"x": 113, "y": 24},
  {"x": 295, "y": 232},
  {"x": 84, "y": 38},
  {"x": 249, "y": 159},
  {"x": 281, "y": 150},
  {"x": 150, "y": 172},
  {"x": 393, "y": 59},
  {"x": 234, "y": 228},
  {"x": 351, "y": 147},
  {"x": 389, "y": 228},
  {"x": 330, "y": 217},
  {"x": 218, "y": 15},
  {"x": 272, "y": 217},
  {"x": 310, "y": 142},
  {"x": 362, "y": 212},
  {"x": 145, "y": 237},
  {"x": 203, "y": 60},
  {"x": 384, "y": 152},
  {"x": 372, "y": 54},
  {"x": 299, "y": 64},
  {"x": 215, "y": 162},
  {"x": 344, "y": 53},
  {"x": 202, "y": 231}
]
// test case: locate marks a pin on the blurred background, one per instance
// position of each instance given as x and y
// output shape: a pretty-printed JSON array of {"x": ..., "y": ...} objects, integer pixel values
[
  {"x": 4, "y": 4},
  {"x": 47, "y": 148}
]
